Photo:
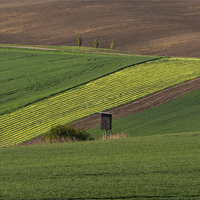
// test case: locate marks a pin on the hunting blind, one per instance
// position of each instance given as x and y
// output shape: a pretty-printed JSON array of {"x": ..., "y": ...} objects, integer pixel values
[{"x": 106, "y": 122}]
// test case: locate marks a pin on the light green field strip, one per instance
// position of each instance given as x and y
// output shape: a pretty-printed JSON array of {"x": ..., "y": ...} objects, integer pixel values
[{"x": 111, "y": 91}]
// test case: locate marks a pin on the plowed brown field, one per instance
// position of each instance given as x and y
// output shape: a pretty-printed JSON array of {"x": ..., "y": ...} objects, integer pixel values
[{"x": 150, "y": 27}]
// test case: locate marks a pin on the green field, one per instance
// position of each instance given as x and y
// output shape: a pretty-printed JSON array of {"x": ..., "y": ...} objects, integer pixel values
[
  {"x": 157, "y": 167},
  {"x": 70, "y": 49},
  {"x": 161, "y": 161},
  {"x": 177, "y": 116},
  {"x": 107, "y": 92},
  {"x": 27, "y": 76}
]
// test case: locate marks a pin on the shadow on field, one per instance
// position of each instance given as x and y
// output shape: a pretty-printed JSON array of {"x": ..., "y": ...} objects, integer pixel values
[{"x": 139, "y": 197}]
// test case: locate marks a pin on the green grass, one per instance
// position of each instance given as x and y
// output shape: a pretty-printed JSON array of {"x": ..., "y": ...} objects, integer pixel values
[
  {"x": 179, "y": 115},
  {"x": 157, "y": 167},
  {"x": 71, "y": 49},
  {"x": 107, "y": 92},
  {"x": 27, "y": 76}
]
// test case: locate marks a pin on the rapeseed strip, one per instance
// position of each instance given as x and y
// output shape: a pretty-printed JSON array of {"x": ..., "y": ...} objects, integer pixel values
[{"x": 104, "y": 93}]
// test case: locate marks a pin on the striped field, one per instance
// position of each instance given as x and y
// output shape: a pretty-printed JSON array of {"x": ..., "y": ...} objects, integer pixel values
[{"x": 111, "y": 91}]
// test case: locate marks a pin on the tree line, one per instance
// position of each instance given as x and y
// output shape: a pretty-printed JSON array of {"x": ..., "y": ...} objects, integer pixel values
[{"x": 96, "y": 43}]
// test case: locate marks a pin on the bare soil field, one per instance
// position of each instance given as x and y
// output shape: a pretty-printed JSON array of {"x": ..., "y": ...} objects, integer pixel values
[
  {"x": 142, "y": 104},
  {"x": 159, "y": 27}
]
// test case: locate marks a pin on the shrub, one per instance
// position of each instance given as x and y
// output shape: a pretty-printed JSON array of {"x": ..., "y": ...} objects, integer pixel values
[
  {"x": 62, "y": 133},
  {"x": 96, "y": 43},
  {"x": 79, "y": 41},
  {"x": 115, "y": 136}
]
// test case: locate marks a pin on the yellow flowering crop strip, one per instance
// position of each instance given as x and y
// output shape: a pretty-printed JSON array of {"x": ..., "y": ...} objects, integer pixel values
[{"x": 104, "y": 93}]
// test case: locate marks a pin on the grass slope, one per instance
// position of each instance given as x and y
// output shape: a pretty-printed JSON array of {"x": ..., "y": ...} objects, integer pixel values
[
  {"x": 104, "y": 93},
  {"x": 179, "y": 115},
  {"x": 27, "y": 76},
  {"x": 70, "y": 49},
  {"x": 159, "y": 166}
]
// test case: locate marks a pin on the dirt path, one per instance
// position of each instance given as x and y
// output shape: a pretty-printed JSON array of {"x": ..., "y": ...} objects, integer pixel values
[
  {"x": 24, "y": 47},
  {"x": 142, "y": 104}
]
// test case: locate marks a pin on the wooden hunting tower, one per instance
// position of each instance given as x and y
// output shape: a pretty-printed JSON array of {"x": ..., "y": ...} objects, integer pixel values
[{"x": 106, "y": 121}]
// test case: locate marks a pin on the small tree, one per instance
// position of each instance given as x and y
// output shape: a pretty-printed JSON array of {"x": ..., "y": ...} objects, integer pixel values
[
  {"x": 79, "y": 41},
  {"x": 96, "y": 43},
  {"x": 112, "y": 45}
]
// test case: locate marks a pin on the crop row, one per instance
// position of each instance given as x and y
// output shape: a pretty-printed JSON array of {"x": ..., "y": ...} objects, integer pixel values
[
  {"x": 111, "y": 91},
  {"x": 27, "y": 76}
]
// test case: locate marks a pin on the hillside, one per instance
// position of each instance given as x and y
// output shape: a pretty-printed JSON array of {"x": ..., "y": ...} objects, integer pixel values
[
  {"x": 143, "y": 27},
  {"x": 151, "y": 167},
  {"x": 177, "y": 116},
  {"x": 29, "y": 75},
  {"x": 107, "y": 92},
  {"x": 155, "y": 99},
  {"x": 126, "y": 113}
]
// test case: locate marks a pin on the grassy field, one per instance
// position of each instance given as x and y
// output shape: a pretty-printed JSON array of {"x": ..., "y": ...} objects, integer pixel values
[
  {"x": 27, "y": 76},
  {"x": 70, "y": 49},
  {"x": 179, "y": 115},
  {"x": 99, "y": 95},
  {"x": 159, "y": 166}
]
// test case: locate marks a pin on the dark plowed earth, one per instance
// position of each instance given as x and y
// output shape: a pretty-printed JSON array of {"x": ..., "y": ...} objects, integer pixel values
[
  {"x": 142, "y": 104},
  {"x": 161, "y": 27}
]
